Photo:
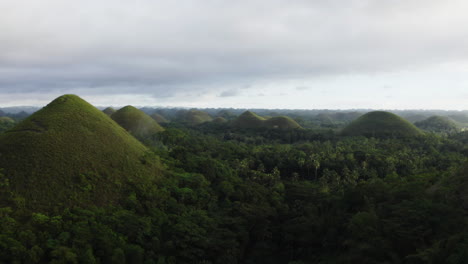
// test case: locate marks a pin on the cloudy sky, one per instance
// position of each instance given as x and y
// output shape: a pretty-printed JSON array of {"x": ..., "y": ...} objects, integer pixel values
[{"x": 335, "y": 54}]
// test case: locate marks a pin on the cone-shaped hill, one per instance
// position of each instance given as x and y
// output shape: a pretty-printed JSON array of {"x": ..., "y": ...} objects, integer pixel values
[
  {"x": 159, "y": 118},
  {"x": 70, "y": 153},
  {"x": 249, "y": 119},
  {"x": 381, "y": 124},
  {"x": 438, "y": 124},
  {"x": 194, "y": 117},
  {"x": 219, "y": 120},
  {"x": 281, "y": 122},
  {"x": 136, "y": 122},
  {"x": 109, "y": 111}
]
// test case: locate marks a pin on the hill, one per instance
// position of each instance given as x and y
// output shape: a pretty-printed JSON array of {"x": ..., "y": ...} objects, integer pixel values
[
  {"x": 281, "y": 122},
  {"x": 159, "y": 118},
  {"x": 194, "y": 117},
  {"x": 109, "y": 111},
  {"x": 6, "y": 123},
  {"x": 136, "y": 122},
  {"x": 381, "y": 124},
  {"x": 438, "y": 124},
  {"x": 248, "y": 120},
  {"x": 219, "y": 120},
  {"x": 70, "y": 153}
]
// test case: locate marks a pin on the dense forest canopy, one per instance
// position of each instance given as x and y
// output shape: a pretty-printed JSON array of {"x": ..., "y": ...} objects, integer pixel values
[{"x": 213, "y": 192}]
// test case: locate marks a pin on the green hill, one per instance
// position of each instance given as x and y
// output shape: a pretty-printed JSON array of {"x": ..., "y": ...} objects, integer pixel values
[
  {"x": 281, "y": 122},
  {"x": 381, "y": 124},
  {"x": 249, "y": 119},
  {"x": 6, "y": 123},
  {"x": 109, "y": 111},
  {"x": 70, "y": 153},
  {"x": 194, "y": 117},
  {"x": 438, "y": 124},
  {"x": 136, "y": 122},
  {"x": 219, "y": 120},
  {"x": 159, "y": 118}
]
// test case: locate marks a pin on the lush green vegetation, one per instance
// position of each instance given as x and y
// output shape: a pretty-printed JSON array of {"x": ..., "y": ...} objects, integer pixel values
[
  {"x": 253, "y": 195},
  {"x": 6, "y": 123},
  {"x": 136, "y": 122},
  {"x": 381, "y": 124}
]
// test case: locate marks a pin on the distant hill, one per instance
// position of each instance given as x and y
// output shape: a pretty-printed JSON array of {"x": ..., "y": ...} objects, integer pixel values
[
  {"x": 159, "y": 118},
  {"x": 281, "y": 122},
  {"x": 70, "y": 153},
  {"x": 136, "y": 122},
  {"x": 381, "y": 124},
  {"x": 194, "y": 117},
  {"x": 109, "y": 111},
  {"x": 219, "y": 120},
  {"x": 249, "y": 119},
  {"x": 6, "y": 123},
  {"x": 438, "y": 124}
]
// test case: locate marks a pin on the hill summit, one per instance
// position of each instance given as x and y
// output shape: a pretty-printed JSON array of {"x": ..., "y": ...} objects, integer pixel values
[
  {"x": 70, "y": 153},
  {"x": 136, "y": 122},
  {"x": 194, "y": 117},
  {"x": 380, "y": 124}
]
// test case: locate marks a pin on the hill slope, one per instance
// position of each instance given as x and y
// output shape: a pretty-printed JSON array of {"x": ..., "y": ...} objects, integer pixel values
[
  {"x": 136, "y": 122},
  {"x": 438, "y": 124},
  {"x": 70, "y": 153},
  {"x": 380, "y": 124},
  {"x": 281, "y": 122}
]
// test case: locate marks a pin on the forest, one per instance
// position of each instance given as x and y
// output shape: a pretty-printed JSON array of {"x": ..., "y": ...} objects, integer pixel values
[{"x": 239, "y": 194}]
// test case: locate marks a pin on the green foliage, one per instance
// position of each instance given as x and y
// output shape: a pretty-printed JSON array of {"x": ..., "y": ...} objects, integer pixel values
[
  {"x": 251, "y": 120},
  {"x": 438, "y": 124},
  {"x": 109, "y": 111},
  {"x": 382, "y": 125}
]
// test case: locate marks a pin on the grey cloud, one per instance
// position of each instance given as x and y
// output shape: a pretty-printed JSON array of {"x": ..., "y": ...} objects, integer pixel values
[
  {"x": 229, "y": 93},
  {"x": 170, "y": 47}
]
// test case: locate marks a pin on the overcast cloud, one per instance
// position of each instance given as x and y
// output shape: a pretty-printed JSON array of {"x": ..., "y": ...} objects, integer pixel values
[{"x": 226, "y": 53}]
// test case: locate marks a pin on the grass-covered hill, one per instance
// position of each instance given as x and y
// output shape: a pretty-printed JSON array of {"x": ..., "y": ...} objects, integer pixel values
[
  {"x": 136, "y": 122},
  {"x": 281, "y": 122},
  {"x": 438, "y": 124},
  {"x": 219, "y": 120},
  {"x": 250, "y": 119},
  {"x": 194, "y": 117},
  {"x": 6, "y": 123},
  {"x": 70, "y": 153},
  {"x": 381, "y": 124},
  {"x": 109, "y": 111},
  {"x": 159, "y": 118}
]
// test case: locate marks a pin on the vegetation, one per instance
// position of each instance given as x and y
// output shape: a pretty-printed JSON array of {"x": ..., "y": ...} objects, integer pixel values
[
  {"x": 6, "y": 123},
  {"x": 136, "y": 122},
  {"x": 381, "y": 124},
  {"x": 233, "y": 195}
]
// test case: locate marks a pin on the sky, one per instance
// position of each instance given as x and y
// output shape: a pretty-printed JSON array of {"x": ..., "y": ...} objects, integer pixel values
[{"x": 297, "y": 54}]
